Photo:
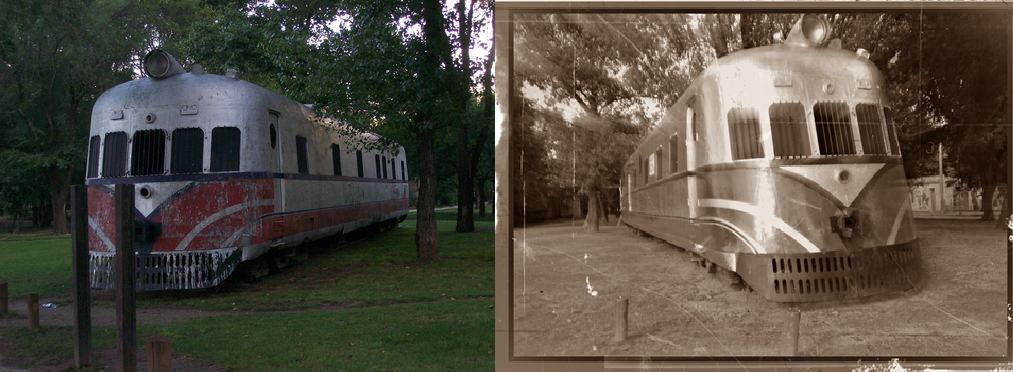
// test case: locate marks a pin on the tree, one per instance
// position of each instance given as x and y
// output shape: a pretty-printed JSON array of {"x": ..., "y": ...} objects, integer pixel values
[{"x": 58, "y": 60}]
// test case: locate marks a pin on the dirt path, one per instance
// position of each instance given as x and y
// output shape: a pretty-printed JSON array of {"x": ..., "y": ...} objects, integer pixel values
[
  {"x": 566, "y": 282},
  {"x": 102, "y": 314}
]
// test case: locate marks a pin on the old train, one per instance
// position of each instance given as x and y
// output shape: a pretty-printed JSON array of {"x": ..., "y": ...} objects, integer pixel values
[
  {"x": 781, "y": 165},
  {"x": 225, "y": 172}
]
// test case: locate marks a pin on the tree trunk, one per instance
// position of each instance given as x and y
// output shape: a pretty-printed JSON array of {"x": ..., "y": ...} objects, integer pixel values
[
  {"x": 987, "y": 193},
  {"x": 575, "y": 207},
  {"x": 465, "y": 208},
  {"x": 1001, "y": 221},
  {"x": 58, "y": 189},
  {"x": 603, "y": 203},
  {"x": 481, "y": 199},
  {"x": 591, "y": 222},
  {"x": 425, "y": 224}
]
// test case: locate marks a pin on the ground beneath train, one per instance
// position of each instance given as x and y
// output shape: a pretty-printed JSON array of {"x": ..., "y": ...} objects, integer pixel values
[{"x": 566, "y": 282}]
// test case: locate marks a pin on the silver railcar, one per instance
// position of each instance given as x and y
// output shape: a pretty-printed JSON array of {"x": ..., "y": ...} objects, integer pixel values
[
  {"x": 780, "y": 164},
  {"x": 225, "y": 171}
]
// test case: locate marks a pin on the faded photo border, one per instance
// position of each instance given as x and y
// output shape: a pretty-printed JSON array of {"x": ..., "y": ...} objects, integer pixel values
[{"x": 505, "y": 94}]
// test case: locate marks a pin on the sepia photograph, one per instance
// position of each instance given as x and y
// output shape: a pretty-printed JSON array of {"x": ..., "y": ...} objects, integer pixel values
[{"x": 758, "y": 183}]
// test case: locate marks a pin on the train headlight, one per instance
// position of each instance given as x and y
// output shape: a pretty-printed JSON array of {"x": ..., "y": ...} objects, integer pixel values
[
  {"x": 815, "y": 28},
  {"x": 159, "y": 65}
]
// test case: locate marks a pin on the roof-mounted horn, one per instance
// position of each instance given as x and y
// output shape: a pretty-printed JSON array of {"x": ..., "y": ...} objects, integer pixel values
[
  {"x": 811, "y": 30},
  {"x": 159, "y": 65}
]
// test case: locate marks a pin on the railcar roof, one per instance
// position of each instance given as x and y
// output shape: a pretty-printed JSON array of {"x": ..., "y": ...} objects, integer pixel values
[{"x": 206, "y": 90}]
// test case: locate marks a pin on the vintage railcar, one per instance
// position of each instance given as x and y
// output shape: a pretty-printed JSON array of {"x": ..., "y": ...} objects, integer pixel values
[
  {"x": 226, "y": 171},
  {"x": 781, "y": 165}
]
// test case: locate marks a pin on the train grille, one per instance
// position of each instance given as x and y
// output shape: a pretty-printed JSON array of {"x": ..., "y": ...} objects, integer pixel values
[
  {"x": 165, "y": 271},
  {"x": 829, "y": 275}
]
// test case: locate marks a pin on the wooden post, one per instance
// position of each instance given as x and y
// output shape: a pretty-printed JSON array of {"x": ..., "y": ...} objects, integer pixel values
[
  {"x": 126, "y": 327},
  {"x": 159, "y": 354},
  {"x": 33, "y": 310},
  {"x": 3, "y": 298},
  {"x": 796, "y": 316},
  {"x": 79, "y": 258},
  {"x": 621, "y": 320}
]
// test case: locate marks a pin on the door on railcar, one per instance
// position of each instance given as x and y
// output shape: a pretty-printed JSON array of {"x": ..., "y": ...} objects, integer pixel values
[{"x": 692, "y": 137}]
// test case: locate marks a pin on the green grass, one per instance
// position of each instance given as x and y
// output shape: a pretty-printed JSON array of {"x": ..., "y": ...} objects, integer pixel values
[
  {"x": 368, "y": 305},
  {"x": 449, "y": 335},
  {"x": 382, "y": 269},
  {"x": 51, "y": 345},
  {"x": 39, "y": 265}
]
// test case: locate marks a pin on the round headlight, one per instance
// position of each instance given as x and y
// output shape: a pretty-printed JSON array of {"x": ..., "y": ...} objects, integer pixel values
[{"x": 815, "y": 28}]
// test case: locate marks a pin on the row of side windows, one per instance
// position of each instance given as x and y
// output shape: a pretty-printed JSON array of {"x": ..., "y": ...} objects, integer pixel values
[
  {"x": 147, "y": 152},
  {"x": 381, "y": 162},
  {"x": 789, "y": 134},
  {"x": 186, "y": 155}
]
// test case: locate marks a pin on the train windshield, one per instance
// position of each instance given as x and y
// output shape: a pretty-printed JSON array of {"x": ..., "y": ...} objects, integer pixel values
[
  {"x": 789, "y": 130},
  {"x": 870, "y": 128},
  {"x": 744, "y": 129},
  {"x": 833, "y": 128}
]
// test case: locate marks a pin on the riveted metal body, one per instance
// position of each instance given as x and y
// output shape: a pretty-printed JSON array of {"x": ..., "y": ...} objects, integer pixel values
[
  {"x": 226, "y": 171},
  {"x": 781, "y": 152}
]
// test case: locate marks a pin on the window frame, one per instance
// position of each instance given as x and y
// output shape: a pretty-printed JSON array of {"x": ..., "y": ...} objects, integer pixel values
[
  {"x": 106, "y": 158},
  {"x": 175, "y": 153},
  {"x": 836, "y": 129},
  {"x": 302, "y": 155},
  {"x": 746, "y": 125},
  {"x": 216, "y": 164},
  {"x": 358, "y": 162},
  {"x": 94, "y": 148},
  {"x": 336, "y": 159},
  {"x": 802, "y": 132}
]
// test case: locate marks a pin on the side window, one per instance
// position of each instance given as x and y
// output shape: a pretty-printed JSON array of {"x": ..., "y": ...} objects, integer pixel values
[
  {"x": 651, "y": 166},
  {"x": 93, "y": 146},
  {"x": 403, "y": 176},
  {"x": 300, "y": 154},
  {"x": 187, "y": 150},
  {"x": 659, "y": 162},
  {"x": 891, "y": 131},
  {"x": 148, "y": 152},
  {"x": 225, "y": 149},
  {"x": 673, "y": 153},
  {"x": 870, "y": 129},
  {"x": 376, "y": 161},
  {"x": 384, "y": 165},
  {"x": 744, "y": 133},
  {"x": 691, "y": 119},
  {"x": 789, "y": 130},
  {"x": 114, "y": 155},
  {"x": 336, "y": 159},
  {"x": 359, "y": 162},
  {"x": 272, "y": 128},
  {"x": 833, "y": 128}
]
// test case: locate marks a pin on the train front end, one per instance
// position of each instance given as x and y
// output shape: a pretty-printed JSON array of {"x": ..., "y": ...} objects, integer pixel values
[
  {"x": 820, "y": 193},
  {"x": 181, "y": 140}
]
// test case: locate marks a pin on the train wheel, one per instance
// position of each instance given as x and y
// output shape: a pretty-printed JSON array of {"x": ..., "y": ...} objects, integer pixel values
[
  {"x": 302, "y": 254},
  {"x": 257, "y": 269},
  {"x": 279, "y": 261}
]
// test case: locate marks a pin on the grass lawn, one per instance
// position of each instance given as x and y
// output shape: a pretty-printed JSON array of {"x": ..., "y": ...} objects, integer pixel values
[
  {"x": 36, "y": 264},
  {"x": 356, "y": 306}
]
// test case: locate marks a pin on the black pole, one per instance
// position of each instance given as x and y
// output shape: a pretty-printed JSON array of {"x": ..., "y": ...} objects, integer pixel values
[
  {"x": 126, "y": 327},
  {"x": 82, "y": 296}
]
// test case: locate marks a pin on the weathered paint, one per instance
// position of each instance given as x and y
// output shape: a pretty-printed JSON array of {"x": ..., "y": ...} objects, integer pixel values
[{"x": 211, "y": 221}]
